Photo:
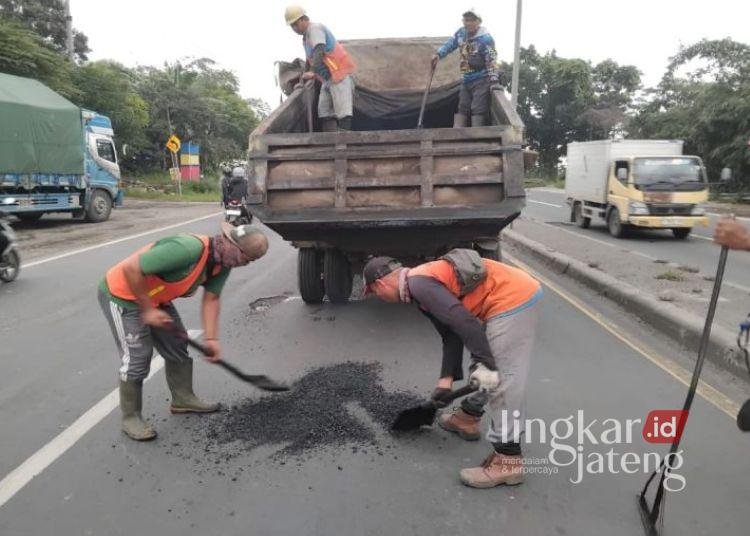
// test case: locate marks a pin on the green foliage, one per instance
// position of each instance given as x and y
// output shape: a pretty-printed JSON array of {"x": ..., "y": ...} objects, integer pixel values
[
  {"x": 197, "y": 102},
  {"x": 45, "y": 18},
  {"x": 109, "y": 88},
  {"x": 563, "y": 100},
  {"x": 704, "y": 99},
  {"x": 23, "y": 53}
]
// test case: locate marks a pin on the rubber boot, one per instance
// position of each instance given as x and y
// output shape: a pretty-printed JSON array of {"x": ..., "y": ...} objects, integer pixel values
[
  {"x": 496, "y": 469},
  {"x": 345, "y": 123},
  {"x": 461, "y": 423},
  {"x": 180, "y": 382},
  {"x": 460, "y": 120},
  {"x": 328, "y": 124},
  {"x": 131, "y": 404},
  {"x": 478, "y": 120}
]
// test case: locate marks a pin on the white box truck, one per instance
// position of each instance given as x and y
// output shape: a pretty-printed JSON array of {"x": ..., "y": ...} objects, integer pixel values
[{"x": 635, "y": 183}]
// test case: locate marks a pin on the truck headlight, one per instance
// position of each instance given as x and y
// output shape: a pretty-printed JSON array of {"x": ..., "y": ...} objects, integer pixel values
[
  {"x": 698, "y": 210},
  {"x": 637, "y": 208}
]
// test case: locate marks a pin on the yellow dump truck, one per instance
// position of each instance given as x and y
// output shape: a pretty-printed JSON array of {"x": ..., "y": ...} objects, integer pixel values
[{"x": 636, "y": 183}]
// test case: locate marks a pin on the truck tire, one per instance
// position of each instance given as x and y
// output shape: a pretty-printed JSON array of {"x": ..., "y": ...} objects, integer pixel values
[
  {"x": 615, "y": 226},
  {"x": 30, "y": 216},
  {"x": 310, "y": 275},
  {"x": 681, "y": 233},
  {"x": 337, "y": 276},
  {"x": 100, "y": 207},
  {"x": 578, "y": 218},
  {"x": 10, "y": 266},
  {"x": 492, "y": 254}
]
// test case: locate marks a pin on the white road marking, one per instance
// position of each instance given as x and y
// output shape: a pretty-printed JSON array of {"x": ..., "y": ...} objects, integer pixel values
[
  {"x": 644, "y": 255},
  {"x": 17, "y": 479},
  {"x": 111, "y": 242},
  {"x": 543, "y": 203},
  {"x": 592, "y": 239}
]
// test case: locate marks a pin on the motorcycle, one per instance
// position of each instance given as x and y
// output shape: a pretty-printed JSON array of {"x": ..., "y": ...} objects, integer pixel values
[
  {"x": 234, "y": 190},
  {"x": 10, "y": 260}
]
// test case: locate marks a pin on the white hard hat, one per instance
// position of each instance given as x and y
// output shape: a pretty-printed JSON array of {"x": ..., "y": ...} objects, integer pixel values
[
  {"x": 472, "y": 11},
  {"x": 293, "y": 14}
]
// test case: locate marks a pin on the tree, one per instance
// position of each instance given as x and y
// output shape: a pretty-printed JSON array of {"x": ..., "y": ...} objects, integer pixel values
[
  {"x": 567, "y": 99},
  {"x": 198, "y": 102},
  {"x": 23, "y": 53},
  {"x": 46, "y": 18},
  {"x": 109, "y": 88},
  {"x": 704, "y": 99}
]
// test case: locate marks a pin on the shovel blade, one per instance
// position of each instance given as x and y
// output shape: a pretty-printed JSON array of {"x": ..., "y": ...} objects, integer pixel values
[
  {"x": 413, "y": 418},
  {"x": 266, "y": 384}
]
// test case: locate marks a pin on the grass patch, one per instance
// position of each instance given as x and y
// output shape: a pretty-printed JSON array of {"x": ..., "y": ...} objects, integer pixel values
[
  {"x": 158, "y": 186},
  {"x": 671, "y": 275}
]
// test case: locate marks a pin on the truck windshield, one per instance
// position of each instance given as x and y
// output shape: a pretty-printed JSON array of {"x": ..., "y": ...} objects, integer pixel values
[
  {"x": 668, "y": 174},
  {"x": 105, "y": 150}
]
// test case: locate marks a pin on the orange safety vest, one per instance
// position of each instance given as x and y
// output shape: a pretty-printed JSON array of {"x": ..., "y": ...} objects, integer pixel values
[
  {"x": 339, "y": 63},
  {"x": 504, "y": 288},
  {"x": 159, "y": 291}
]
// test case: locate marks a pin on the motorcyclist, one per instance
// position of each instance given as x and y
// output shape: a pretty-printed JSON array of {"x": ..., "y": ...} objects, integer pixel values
[{"x": 226, "y": 176}]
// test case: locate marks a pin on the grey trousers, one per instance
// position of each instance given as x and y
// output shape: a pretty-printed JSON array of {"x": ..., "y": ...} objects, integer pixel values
[
  {"x": 474, "y": 97},
  {"x": 136, "y": 341},
  {"x": 511, "y": 340},
  {"x": 336, "y": 100}
]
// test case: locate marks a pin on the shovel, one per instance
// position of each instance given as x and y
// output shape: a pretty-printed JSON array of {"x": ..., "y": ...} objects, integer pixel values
[
  {"x": 420, "y": 122},
  {"x": 261, "y": 381},
  {"x": 424, "y": 415}
]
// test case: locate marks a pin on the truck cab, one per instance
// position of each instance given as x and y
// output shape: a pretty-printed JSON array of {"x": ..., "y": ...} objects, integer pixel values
[
  {"x": 102, "y": 170},
  {"x": 636, "y": 183}
]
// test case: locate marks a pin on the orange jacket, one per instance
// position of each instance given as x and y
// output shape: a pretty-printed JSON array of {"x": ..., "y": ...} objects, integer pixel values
[
  {"x": 159, "y": 291},
  {"x": 504, "y": 289}
]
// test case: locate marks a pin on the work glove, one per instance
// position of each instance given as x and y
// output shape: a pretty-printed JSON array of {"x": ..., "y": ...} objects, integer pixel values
[
  {"x": 437, "y": 396},
  {"x": 434, "y": 61},
  {"x": 496, "y": 86},
  {"x": 487, "y": 380}
]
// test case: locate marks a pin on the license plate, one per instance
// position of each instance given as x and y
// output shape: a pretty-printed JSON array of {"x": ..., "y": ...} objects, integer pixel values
[
  {"x": 671, "y": 221},
  {"x": 233, "y": 212}
]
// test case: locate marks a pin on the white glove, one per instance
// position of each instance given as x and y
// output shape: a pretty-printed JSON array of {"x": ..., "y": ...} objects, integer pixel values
[{"x": 487, "y": 380}]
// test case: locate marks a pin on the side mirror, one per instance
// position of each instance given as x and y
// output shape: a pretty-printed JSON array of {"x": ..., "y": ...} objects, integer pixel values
[
  {"x": 622, "y": 174},
  {"x": 726, "y": 174}
]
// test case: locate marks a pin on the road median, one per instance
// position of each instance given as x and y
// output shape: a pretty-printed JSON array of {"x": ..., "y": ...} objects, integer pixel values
[{"x": 684, "y": 327}]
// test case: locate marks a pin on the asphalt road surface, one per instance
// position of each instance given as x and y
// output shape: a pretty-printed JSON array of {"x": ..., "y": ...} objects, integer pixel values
[
  {"x": 59, "y": 362},
  {"x": 548, "y": 205}
]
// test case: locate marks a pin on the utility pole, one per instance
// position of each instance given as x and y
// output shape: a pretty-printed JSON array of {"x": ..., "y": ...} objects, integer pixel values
[
  {"x": 68, "y": 31},
  {"x": 516, "y": 58}
]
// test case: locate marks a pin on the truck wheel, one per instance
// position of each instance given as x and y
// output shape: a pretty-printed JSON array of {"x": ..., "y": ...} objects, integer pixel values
[
  {"x": 615, "y": 226},
  {"x": 580, "y": 220},
  {"x": 10, "y": 265},
  {"x": 30, "y": 216},
  {"x": 100, "y": 207},
  {"x": 310, "y": 275},
  {"x": 681, "y": 233},
  {"x": 337, "y": 276},
  {"x": 492, "y": 254}
]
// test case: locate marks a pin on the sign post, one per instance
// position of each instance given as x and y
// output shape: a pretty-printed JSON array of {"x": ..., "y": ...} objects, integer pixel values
[{"x": 173, "y": 145}]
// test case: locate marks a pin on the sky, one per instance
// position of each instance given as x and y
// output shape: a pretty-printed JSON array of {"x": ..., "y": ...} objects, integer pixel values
[{"x": 247, "y": 37}]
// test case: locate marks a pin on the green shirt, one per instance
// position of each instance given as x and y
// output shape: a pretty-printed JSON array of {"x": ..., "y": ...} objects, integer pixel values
[{"x": 172, "y": 259}]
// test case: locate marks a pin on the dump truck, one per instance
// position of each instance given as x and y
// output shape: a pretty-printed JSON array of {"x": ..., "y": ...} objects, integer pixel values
[
  {"x": 54, "y": 156},
  {"x": 385, "y": 187},
  {"x": 628, "y": 184}
]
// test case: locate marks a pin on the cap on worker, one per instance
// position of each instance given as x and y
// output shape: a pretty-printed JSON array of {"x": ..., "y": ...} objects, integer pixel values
[
  {"x": 471, "y": 12},
  {"x": 250, "y": 240},
  {"x": 378, "y": 267},
  {"x": 293, "y": 14}
]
